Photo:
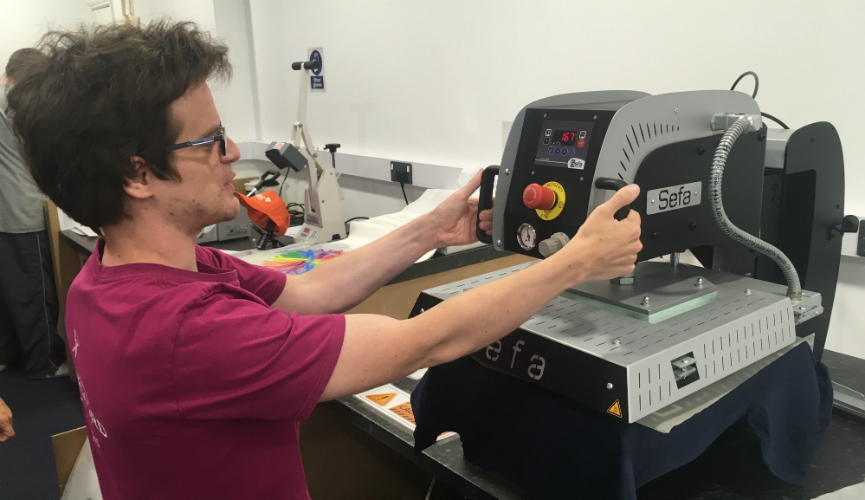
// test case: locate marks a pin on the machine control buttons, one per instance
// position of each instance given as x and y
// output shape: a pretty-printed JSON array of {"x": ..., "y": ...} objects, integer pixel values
[
  {"x": 553, "y": 244},
  {"x": 572, "y": 152},
  {"x": 526, "y": 236},
  {"x": 550, "y": 150},
  {"x": 558, "y": 151},
  {"x": 539, "y": 197},
  {"x": 546, "y": 140},
  {"x": 548, "y": 132},
  {"x": 582, "y": 134}
]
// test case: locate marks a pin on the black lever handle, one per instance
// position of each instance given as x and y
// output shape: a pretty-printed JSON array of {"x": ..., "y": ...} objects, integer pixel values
[
  {"x": 267, "y": 179},
  {"x": 614, "y": 185},
  {"x": 849, "y": 224},
  {"x": 485, "y": 202},
  {"x": 306, "y": 65}
]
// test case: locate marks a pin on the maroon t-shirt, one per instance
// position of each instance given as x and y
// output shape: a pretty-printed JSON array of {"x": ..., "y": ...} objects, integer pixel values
[{"x": 192, "y": 386}]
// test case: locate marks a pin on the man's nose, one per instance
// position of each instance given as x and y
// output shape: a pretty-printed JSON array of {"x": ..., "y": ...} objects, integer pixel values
[{"x": 232, "y": 152}]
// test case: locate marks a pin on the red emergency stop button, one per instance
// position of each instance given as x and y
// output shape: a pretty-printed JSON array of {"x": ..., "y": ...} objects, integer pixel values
[{"x": 539, "y": 197}]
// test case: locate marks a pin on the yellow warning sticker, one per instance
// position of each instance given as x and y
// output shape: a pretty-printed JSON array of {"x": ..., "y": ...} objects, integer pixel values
[
  {"x": 404, "y": 411},
  {"x": 381, "y": 399},
  {"x": 395, "y": 404},
  {"x": 615, "y": 409},
  {"x": 560, "y": 204}
]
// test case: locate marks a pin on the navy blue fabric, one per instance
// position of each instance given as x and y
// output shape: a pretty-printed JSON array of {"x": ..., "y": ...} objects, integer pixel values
[{"x": 555, "y": 447}]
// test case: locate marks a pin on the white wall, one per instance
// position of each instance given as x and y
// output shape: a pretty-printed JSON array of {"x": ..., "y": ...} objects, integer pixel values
[
  {"x": 432, "y": 80},
  {"x": 199, "y": 11},
  {"x": 23, "y": 23},
  {"x": 847, "y": 327},
  {"x": 238, "y": 101}
]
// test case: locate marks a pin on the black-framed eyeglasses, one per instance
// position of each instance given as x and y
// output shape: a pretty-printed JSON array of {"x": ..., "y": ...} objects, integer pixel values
[{"x": 220, "y": 138}]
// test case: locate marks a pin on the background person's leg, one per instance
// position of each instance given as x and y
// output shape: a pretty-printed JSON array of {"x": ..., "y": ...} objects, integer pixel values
[
  {"x": 27, "y": 282},
  {"x": 10, "y": 348}
]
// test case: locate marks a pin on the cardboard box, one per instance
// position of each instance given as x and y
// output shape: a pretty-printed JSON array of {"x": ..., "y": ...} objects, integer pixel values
[{"x": 67, "y": 447}]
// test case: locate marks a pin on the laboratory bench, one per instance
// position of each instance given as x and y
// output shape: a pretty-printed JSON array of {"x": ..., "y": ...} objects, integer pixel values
[{"x": 350, "y": 450}]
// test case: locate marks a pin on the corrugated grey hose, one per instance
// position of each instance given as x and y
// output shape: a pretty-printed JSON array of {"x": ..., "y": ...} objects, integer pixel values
[{"x": 742, "y": 125}]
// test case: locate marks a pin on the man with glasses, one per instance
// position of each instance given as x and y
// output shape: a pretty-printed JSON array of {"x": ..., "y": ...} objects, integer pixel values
[{"x": 195, "y": 368}]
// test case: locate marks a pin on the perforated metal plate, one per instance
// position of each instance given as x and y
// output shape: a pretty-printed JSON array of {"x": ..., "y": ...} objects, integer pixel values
[{"x": 748, "y": 320}]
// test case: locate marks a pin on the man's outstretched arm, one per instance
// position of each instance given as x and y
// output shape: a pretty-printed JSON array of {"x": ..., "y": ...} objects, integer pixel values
[
  {"x": 340, "y": 284},
  {"x": 377, "y": 349}
]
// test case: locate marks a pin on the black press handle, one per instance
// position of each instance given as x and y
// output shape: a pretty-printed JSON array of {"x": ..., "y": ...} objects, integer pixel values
[
  {"x": 614, "y": 185},
  {"x": 306, "y": 65},
  {"x": 267, "y": 179},
  {"x": 850, "y": 224},
  {"x": 485, "y": 202}
]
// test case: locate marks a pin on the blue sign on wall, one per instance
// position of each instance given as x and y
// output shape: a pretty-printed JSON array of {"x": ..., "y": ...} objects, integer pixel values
[{"x": 316, "y": 79}]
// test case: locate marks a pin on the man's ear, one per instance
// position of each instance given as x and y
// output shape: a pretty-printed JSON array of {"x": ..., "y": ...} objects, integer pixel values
[{"x": 140, "y": 186}]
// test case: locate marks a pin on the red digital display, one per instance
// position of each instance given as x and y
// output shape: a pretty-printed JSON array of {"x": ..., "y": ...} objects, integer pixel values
[{"x": 564, "y": 137}]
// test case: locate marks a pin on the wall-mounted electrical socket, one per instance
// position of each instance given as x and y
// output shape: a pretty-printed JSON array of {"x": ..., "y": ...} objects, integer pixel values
[{"x": 400, "y": 172}]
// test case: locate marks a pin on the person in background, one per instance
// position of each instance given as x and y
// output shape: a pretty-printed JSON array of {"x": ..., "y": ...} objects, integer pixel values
[
  {"x": 6, "y": 431},
  {"x": 196, "y": 368},
  {"x": 28, "y": 297}
]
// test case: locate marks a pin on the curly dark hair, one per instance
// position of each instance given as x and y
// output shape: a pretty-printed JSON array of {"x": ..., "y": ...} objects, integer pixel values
[
  {"x": 21, "y": 60},
  {"x": 102, "y": 96}
]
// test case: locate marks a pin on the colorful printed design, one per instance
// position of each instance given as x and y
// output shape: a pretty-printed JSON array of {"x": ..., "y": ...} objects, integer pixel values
[{"x": 300, "y": 261}]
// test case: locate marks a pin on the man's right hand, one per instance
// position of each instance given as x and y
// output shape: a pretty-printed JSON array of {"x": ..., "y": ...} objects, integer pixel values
[
  {"x": 604, "y": 248},
  {"x": 6, "y": 431},
  {"x": 377, "y": 350}
]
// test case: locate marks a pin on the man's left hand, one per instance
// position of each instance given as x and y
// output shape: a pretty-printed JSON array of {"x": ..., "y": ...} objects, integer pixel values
[{"x": 455, "y": 219}]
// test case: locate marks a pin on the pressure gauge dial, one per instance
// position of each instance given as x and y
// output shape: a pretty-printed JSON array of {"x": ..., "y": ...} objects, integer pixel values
[{"x": 527, "y": 236}]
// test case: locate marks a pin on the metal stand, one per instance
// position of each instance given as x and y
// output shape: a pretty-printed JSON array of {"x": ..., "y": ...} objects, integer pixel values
[
  {"x": 323, "y": 220},
  {"x": 266, "y": 235}
]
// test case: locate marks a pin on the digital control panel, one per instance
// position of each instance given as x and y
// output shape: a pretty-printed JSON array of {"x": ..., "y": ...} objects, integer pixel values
[
  {"x": 564, "y": 144},
  {"x": 552, "y": 176}
]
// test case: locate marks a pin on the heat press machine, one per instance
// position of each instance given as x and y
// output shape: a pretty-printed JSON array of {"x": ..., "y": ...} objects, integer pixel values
[
  {"x": 323, "y": 219},
  {"x": 760, "y": 208}
]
